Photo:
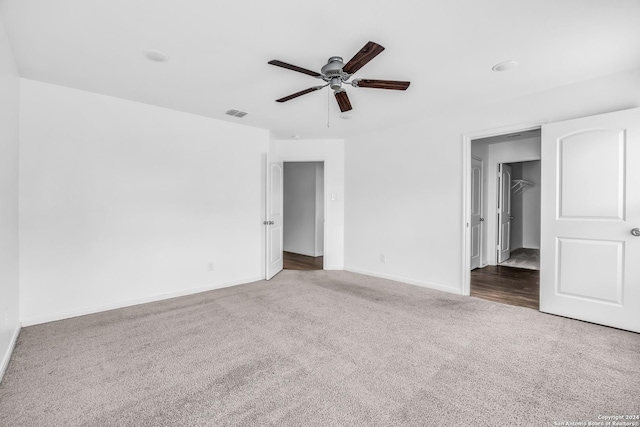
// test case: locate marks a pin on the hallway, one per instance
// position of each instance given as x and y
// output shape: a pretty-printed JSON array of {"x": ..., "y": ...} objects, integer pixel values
[
  {"x": 507, "y": 285},
  {"x": 302, "y": 262}
]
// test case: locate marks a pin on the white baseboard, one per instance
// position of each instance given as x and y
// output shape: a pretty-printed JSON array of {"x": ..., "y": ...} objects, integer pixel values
[
  {"x": 36, "y": 320},
  {"x": 443, "y": 288},
  {"x": 7, "y": 356}
]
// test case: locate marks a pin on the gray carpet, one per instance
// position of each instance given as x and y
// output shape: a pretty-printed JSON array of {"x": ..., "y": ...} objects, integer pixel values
[
  {"x": 320, "y": 349},
  {"x": 523, "y": 258}
]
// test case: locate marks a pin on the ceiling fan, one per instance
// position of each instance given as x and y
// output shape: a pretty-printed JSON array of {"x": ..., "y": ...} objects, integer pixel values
[{"x": 335, "y": 73}]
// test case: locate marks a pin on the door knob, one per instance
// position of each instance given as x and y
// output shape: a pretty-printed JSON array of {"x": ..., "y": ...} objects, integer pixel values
[
  {"x": 510, "y": 217},
  {"x": 481, "y": 219},
  {"x": 636, "y": 232}
]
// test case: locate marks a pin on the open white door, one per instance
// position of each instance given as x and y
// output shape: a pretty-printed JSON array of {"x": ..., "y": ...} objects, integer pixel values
[
  {"x": 590, "y": 243},
  {"x": 504, "y": 213},
  {"x": 476, "y": 213},
  {"x": 273, "y": 222}
]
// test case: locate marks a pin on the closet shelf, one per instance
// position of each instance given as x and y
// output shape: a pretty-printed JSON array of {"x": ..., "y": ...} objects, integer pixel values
[{"x": 520, "y": 185}]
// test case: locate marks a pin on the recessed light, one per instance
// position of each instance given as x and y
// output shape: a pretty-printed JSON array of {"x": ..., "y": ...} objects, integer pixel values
[
  {"x": 156, "y": 55},
  {"x": 504, "y": 66}
]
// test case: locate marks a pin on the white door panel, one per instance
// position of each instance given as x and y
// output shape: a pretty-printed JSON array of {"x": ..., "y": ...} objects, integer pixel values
[
  {"x": 590, "y": 261},
  {"x": 579, "y": 153},
  {"x": 600, "y": 284},
  {"x": 274, "y": 220}
]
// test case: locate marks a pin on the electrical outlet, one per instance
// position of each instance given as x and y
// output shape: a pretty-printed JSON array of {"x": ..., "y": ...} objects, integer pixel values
[
  {"x": 210, "y": 266},
  {"x": 383, "y": 258}
]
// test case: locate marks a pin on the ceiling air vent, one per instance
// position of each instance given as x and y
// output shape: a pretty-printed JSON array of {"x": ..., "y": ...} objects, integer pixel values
[{"x": 236, "y": 113}]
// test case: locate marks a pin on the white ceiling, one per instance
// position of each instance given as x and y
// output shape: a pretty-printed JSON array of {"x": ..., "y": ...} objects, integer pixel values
[{"x": 219, "y": 52}]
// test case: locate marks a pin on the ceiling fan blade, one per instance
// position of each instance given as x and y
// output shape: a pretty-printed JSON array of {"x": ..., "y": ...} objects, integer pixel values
[
  {"x": 343, "y": 101},
  {"x": 297, "y": 94},
  {"x": 294, "y": 68},
  {"x": 366, "y": 54},
  {"x": 382, "y": 84}
]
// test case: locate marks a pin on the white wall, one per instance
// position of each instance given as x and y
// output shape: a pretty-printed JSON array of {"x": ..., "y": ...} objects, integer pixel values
[
  {"x": 123, "y": 202},
  {"x": 331, "y": 152},
  {"x": 9, "y": 109},
  {"x": 531, "y": 205},
  {"x": 303, "y": 219},
  {"x": 404, "y": 188}
]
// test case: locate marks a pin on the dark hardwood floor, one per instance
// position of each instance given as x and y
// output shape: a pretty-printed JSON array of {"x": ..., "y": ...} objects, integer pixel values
[
  {"x": 508, "y": 285},
  {"x": 302, "y": 262}
]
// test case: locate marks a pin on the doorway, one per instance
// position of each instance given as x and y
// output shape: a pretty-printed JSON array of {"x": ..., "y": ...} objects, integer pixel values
[
  {"x": 504, "y": 218},
  {"x": 588, "y": 232},
  {"x": 303, "y": 215},
  {"x": 518, "y": 233}
]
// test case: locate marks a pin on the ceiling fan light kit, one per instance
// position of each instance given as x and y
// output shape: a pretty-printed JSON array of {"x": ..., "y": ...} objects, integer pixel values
[{"x": 336, "y": 73}]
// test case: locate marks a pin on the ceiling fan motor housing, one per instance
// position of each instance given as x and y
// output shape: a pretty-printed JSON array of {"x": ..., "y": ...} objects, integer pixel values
[
  {"x": 333, "y": 67},
  {"x": 333, "y": 74}
]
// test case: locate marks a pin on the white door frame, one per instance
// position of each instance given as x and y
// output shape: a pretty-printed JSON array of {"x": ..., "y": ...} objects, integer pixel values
[
  {"x": 327, "y": 170},
  {"x": 466, "y": 189},
  {"x": 481, "y": 235},
  {"x": 324, "y": 184},
  {"x": 499, "y": 207}
]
